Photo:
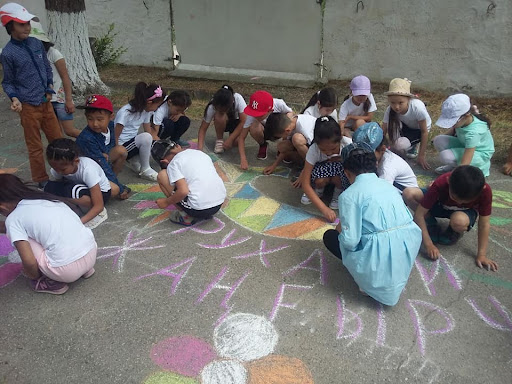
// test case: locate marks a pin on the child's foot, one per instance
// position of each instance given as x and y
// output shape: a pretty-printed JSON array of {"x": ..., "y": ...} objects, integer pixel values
[
  {"x": 182, "y": 143},
  {"x": 507, "y": 169},
  {"x": 46, "y": 285},
  {"x": 219, "y": 146},
  {"x": 89, "y": 273},
  {"x": 95, "y": 221},
  {"x": 449, "y": 237},
  {"x": 134, "y": 164},
  {"x": 305, "y": 199},
  {"x": 412, "y": 153},
  {"x": 262, "y": 152},
  {"x": 148, "y": 174},
  {"x": 126, "y": 193},
  {"x": 334, "y": 202},
  {"x": 182, "y": 218},
  {"x": 443, "y": 169}
]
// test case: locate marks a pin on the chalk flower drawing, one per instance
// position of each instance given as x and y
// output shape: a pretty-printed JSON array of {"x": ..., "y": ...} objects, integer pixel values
[
  {"x": 10, "y": 262},
  {"x": 242, "y": 354}
]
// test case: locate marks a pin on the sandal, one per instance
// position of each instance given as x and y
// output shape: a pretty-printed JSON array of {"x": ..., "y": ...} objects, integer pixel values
[
  {"x": 219, "y": 146},
  {"x": 178, "y": 218}
]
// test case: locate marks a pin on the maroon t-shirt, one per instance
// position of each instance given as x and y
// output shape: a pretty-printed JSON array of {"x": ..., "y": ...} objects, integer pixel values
[{"x": 439, "y": 191}]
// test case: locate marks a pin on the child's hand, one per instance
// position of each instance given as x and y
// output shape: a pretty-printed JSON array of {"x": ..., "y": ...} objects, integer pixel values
[
  {"x": 175, "y": 118},
  {"x": 484, "y": 262},
  {"x": 16, "y": 105},
  {"x": 329, "y": 214},
  {"x": 244, "y": 165},
  {"x": 297, "y": 183},
  {"x": 105, "y": 156},
  {"x": 433, "y": 252},
  {"x": 507, "y": 169},
  {"x": 69, "y": 106},
  {"x": 162, "y": 203},
  {"x": 228, "y": 144},
  {"x": 423, "y": 162},
  {"x": 124, "y": 195},
  {"x": 268, "y": 170}
]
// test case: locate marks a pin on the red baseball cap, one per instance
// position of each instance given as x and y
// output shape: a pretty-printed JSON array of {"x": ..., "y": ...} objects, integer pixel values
[
  {"x": 15, "y": 12},
  {"x": 260, "y": 103},
  {"x": 97, "y": 102}
]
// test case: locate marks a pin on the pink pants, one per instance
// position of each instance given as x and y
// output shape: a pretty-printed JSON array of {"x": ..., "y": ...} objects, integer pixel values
[{"x": 66, "y": 273}]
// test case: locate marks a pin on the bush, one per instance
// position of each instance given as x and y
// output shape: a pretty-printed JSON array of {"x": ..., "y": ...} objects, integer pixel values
[{"x": 104, "y": 51}]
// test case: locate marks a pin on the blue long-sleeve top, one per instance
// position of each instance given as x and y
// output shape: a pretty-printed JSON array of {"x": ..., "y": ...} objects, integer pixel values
[
  {"x": 92, "y": 144},
  {"x": 27, "y": 71}
]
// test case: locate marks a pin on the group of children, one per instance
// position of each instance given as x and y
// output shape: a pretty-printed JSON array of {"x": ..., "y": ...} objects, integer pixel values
[{"x": 375, "y": 189}]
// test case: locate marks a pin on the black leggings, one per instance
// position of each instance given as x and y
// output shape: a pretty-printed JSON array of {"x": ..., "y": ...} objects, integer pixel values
[
  {"x": 174, "y": 129},
  {"x": 332, "y": 243}
]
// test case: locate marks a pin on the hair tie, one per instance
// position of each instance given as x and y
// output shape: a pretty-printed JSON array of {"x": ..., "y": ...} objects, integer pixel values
[
  {"x": 158, "y": 93},
  {"x": 225, "y": 87},
  {"x": 324, "y": 118},
  {"x": 475, "y": 109}
]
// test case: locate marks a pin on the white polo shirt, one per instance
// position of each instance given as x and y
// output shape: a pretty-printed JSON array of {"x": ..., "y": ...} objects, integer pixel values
[
  {"x": 89, "y": 173},
  {"x": 415, "y": 113},
  {"x": 240, "y": 105},
  {"x": 131, "y": 122}
]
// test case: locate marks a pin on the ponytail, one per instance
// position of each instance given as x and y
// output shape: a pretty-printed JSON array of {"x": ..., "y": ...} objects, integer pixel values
[
  {"x": 224, "y": 97},
  {"x": 393, "y": 125},
  {"x": 144, "y": 93},
  {"x": 475, "y": 112},
  {"x": 326, "y": 97},
  {"x": 366, "y": 106}
]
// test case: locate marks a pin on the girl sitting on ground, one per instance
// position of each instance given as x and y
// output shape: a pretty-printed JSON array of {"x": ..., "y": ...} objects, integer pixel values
[
  {"x": 54, "y": 246},
  {"x": 322, "y": 103},
  {"x": 357, "y": 109},
  {"x": 226, "y": 110},
  {"x": 169, "y": 120}
]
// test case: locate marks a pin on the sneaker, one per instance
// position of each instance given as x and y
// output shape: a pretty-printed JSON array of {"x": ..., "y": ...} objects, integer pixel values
[
  {"x": 149, "y": 174},
  {"x": 219, "y": 146},
  {"x": 182, "y": 143},
  {"x": 449, "y": 237},
  {"x": 412, "y": 153},
  {"x": 89, "y": 273},
  {"x": 305, "y": 199},
  {"x": 443, "y": 169},
  {"x": 46, "y": 285},
  {"x": 334, "y": 202},
  {"x": 262, "y": 152},
  {"x": 284, "y": 160},
  {"x": 134, "y": 164},
  {"x": 95, "y": 221},
  {"x": 182, "y": 218}
]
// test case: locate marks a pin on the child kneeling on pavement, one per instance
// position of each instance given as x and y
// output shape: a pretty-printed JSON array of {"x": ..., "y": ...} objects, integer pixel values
[{"x": 189, "y": 180}]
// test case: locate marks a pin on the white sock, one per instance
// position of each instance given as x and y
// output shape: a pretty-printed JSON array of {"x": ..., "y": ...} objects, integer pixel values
[{"x": 143, "y": 141}]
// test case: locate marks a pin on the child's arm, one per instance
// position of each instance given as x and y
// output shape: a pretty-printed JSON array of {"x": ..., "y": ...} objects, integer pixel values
[
  {"x": 328, "y": 213},
  {"x": 484, "y": 227},
  {"x": 179, "y": 194},
  {"x": 268, "y": 170},
  {"x": 97, "y": 204},
  {"x": 384, "y": 128},
  {"x": 30, "y": 267},
  {"x": 8, "y": 83},
  {"x": 228, "y": 144},
  {"x": 241, "y": 149},
  {"x": 423, "y": 144},
  {"x": 467, "y": 156},
  {"x": 202, "y": 134},
  {"x": 2, "y": 227},
  {"x": 118, "y": 129},
  {"x": 366, "y": 118},
  {"x": 66, "y": 84},
  {"x": 419, "y": 219}
]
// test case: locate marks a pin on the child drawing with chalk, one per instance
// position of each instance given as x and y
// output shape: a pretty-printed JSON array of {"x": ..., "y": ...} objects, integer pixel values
[
  {"x": 463, "y": 197},
  {"x": 189, "y": 181},
  {"x": 376, "y": 239},
  {"x": 54, "y": 246},
  {"x": 169, "y": 120},
  {"x": 322, "y": 103},
  {"x": 323, "y": 166}
]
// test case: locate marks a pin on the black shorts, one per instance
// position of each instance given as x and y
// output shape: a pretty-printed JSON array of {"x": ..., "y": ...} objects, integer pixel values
[
  {"x": 131, "y": 148},
  {"x": 71, "y": 190},
  {"x": 231, "y": 125},
  {"x": 414, "y": 135},
  {"x": 199, "y": 214}
]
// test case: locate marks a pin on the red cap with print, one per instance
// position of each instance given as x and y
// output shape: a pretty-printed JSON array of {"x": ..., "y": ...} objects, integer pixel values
[
  {"x": 97, "y": 102},
  {"x": 261, "y": 102},
  {"x": 15, "y": 12}
]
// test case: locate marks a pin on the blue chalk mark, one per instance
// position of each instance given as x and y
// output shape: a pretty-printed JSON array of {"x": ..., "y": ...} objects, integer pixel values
[
  {"x": 287, "y": 215},
  {"x": 247, "y": 192}
]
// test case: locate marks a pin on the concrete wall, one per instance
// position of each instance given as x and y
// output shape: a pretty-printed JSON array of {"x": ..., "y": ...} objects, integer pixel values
[{"x": 438, "y": 44}]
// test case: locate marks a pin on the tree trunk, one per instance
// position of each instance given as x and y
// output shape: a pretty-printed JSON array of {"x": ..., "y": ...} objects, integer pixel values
[{"x": 67, "y": 28}]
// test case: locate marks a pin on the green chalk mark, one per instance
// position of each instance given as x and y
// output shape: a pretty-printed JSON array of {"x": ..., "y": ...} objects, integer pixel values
[
  {"x": 501, "y": 199},
  {"x": 151, "y": 212},
  {"x": 169, "y": 378},
  {"x": 491, "y": 280},
  {"x": 143, "y": 196},
  {"x": 256, "y": 223},
  {"x": 500, "y": 221},
  {"x": 236, "y": 207}
]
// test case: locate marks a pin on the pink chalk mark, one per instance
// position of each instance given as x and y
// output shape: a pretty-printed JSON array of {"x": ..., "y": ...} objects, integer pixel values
[
  {"x": 9, "y": 272},
  {"x": 186, "y": 355},
  {"x": 195, "y": 227},
  {"x": 343, "y": 320},
  {"x": 175, "y": 276},
  {"x": 5, "y": 245},
  {"x": 500, "y": 308},
  {"x": 278, "y": 302},
  {"x": 421, "y": 330},
  {"x": 215, "y": 284},
  {"x": 261, "y": 253},
  {"x": 429, "y": 276},
  {"x": 381, "y": 325},
  {"x": 322, "y": 269},
  {"x": 226, "y": 241}
]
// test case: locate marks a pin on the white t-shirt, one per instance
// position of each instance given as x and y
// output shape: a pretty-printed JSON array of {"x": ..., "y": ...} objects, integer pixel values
[
  {"x": 349, "y": 108},
  {"x": 131, "y": 122},
  {"x": 306, "y": 126},
  {"x": 89, "y": 173},
  {"x": 393, "y": 168},
  {"x": 416, "y": 112},
  {"x": 53, "y": 225},
  {"x": 314, "y": 154},
  {"x": 206, "y": 188},
  {"x": 279, "y": 107},
  {"x": 106, "y": 135},
  {"x": 314, "y": 111},
  {"x": 240, "y": 105},
  {"x": 161, "y": 113},
  {"x": 54, "y": 56}
]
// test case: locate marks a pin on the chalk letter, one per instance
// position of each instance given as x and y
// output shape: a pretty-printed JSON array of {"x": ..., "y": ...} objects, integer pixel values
[
  {"x": 278, "y": 302},
  {"x": 343, "y": 320},
  {"x": 421, "y": 330},
  {"x": 322, "y": 269},
  {"x": 261, "y": 253},
  {"x": 226, "y": 241},
  {"x": 502, "y": 310},
  {"x": 428, "y": 276},
  {"x": 175, "y": 276}
]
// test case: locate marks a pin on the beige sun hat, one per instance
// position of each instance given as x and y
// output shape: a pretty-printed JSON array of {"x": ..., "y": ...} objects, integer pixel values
[
  {"x": 399, "y": 87},
  {"x": 38, "y": 32}
]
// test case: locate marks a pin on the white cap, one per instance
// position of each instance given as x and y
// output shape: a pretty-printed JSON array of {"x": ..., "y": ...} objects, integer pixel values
[
  {"x": 15, "y": 12},
  {"x": 452, "y": 109}
]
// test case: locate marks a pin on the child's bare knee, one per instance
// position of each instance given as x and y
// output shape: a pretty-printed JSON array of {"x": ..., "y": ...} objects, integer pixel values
[
  {"x": 321, "y": 183},
  {"x": 459, "y": 222},
  {"x": 298, "y": 139},
  {"x": 162, "y": 177}
]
